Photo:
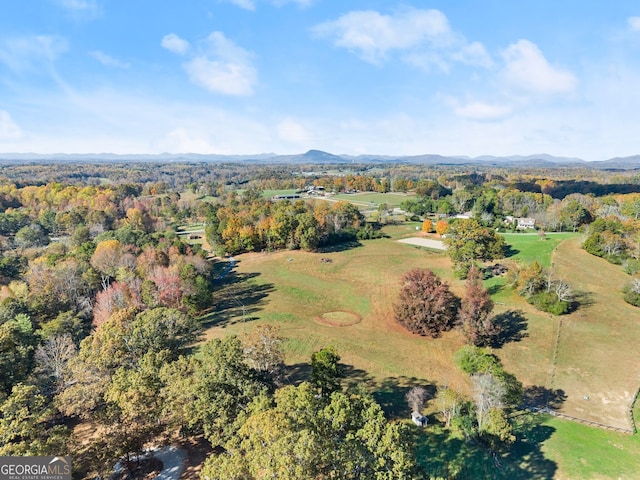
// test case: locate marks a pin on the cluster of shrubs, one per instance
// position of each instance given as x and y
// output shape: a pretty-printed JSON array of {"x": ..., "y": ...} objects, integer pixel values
[
  {"x": 541, "y": 289},
  {"x": 609, "y": 239}
]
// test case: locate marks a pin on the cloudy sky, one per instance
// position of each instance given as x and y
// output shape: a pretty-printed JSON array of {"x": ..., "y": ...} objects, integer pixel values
[{"x": 450, "y": 77}]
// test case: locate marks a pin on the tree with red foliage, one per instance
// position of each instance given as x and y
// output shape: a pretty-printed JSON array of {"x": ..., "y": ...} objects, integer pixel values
[
  {"x": 426, "y": 306},
  {"x": 475, "y": 312}
]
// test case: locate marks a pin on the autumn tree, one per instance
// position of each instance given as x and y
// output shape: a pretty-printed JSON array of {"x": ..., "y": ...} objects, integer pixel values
[
  {"x": 488, "y": 393},
  {"x": 574, "y": 214},
  {"x": 632, "y": 292},
  {"x": 207, "y": 394},
  {"x": 426, "y": 305},
  {"x": 263, "y": 351},
  {"x": 450, "y": 403},
  {"x": 344, "y": 435},
  {"x": 52, "y": 358},
  {"x": 17, "y": 345},
  {"x": 540, "y": 287},
  {"x": 468, "y": 241},
  {"x": 441, "y": 227},
  {"x": 427, "y": 226},
  {"x": 475, "y": 316},
  {"x": 495, "y": 393},
  {"x": 107, "y": 259},
  {"x": 26, "y": 427}
]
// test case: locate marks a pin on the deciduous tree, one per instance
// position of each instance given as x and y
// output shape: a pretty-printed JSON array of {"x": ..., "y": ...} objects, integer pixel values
[
  {"x": 475, "y": 314},
  {"x": 263, "y": 351},
  {"x": 326, "y": 371},
  {"x": 426, "y": 305},
  {"x": 302, "y": 436}
]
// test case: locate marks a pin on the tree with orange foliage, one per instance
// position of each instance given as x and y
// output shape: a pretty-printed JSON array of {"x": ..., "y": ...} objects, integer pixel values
[
  {"x": 441, "y": 227},
  {"x": 106, "y": 259}
]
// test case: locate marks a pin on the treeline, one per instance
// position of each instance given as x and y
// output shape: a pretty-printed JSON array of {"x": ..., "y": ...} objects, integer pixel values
[
  {"x": 252, "y": 223},
  {"x": 614, "y": 236},
  {"x": 75, "y": 258}
]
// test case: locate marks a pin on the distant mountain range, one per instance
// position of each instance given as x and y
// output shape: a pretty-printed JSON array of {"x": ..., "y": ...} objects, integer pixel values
[{"x": 320, "y": 157}]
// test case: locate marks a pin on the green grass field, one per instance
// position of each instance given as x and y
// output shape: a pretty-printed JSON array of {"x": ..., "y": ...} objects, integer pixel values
[
  {"x": 373, "y": 199},
  {"x": 271, "y": 193},
  {"x": 583, "y": 452},
  {"x": 292, "y": 289},
  {"x": 529, "y": 247}
]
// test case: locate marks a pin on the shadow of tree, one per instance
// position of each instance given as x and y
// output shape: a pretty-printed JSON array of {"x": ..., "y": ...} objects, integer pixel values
[
  {"x": 391, "y": 393},
  {"x": 539, "y": 396},
  {"x": 442, "y": 454},
  {"x": 237, "y": 300},
  {"x": 301, "y": 372},
  {"x": 297, "y": 373},
  {"x": 509, "y": 251},
  {"x": 339, "y": 247},
  {"x": 493, "y": 289},
  {"x": 511, "y": 326},
  {"x": 582, "y": 299}
]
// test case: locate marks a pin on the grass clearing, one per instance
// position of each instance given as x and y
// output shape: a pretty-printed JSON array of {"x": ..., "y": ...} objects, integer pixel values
[
  {"x": 374, "y": 199},
  {"x": 591, "y": 453},
  {"x": 363, "y": 280},
  {"x": 596, "y": 356},
  {"x": 528, "y": 247}
]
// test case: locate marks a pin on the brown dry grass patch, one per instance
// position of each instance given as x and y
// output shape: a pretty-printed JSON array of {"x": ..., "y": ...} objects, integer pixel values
[
  {"x": 598, "y": 356},
  {"x": 339, "y": 318},
  {"x": 363, "y": 281}
]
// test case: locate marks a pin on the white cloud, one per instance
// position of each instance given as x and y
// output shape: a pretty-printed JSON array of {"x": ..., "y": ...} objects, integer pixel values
[
  {"x": 476, "y": 110},
  {"x": 423, "y": 38},
  {"x": 108, "y": 60},
  {"x": 473, "y": 54},
  {"x": 293, "y": 132},
  {"x": 175, "y": 44},
  {"x": 25, "y": 53},
  {"x": 634, "y": 23},
  {"x": 223, "y": 67},
  {"x": 373, "y": 35},
  {"x": 87, "y": 9},
  {"x": 9, "y": 130},
  {"x": 245, "y": 4},
  {"x": 251, "y": 4},
  {"x": 300, "y": 3},
  {"x": 181, "y": 140},
  {"x": 527, "y": 70}
]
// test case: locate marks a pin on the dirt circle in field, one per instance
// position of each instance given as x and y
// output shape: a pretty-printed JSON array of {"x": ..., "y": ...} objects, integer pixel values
[{"x": 339, "y": 318}]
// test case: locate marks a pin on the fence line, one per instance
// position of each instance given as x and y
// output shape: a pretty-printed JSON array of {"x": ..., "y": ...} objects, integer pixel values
[
  {"x": 579, "y": 420},
  {"x": 554, "y": 360},
  {"x": 547, "y": 409},
  {"x": 631, "y": 416}
]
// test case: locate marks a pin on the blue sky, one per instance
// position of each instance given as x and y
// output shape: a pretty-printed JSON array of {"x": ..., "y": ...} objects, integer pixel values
[{"x": 450, "y": 77}]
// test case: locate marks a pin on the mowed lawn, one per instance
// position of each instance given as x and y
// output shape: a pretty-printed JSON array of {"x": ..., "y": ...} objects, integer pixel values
[
  {"x": 373, "y": 199},
  {"x": 293, "y": 288},
  {"x": 597, "y": 355},
  {"x": 528, "y": 247},
  {"x": 530, "y": 358},
  {"x": 583, "y": 452}
]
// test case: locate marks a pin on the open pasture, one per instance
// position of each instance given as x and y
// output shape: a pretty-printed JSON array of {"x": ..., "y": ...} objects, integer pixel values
[
  {"x": 293, "y": 289},
  {"x": 527, "y": 247},
  {"x": 596, "y": 355},
  {"x": 598, "y": 363},
  {"x": 374, "y": 199}
]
